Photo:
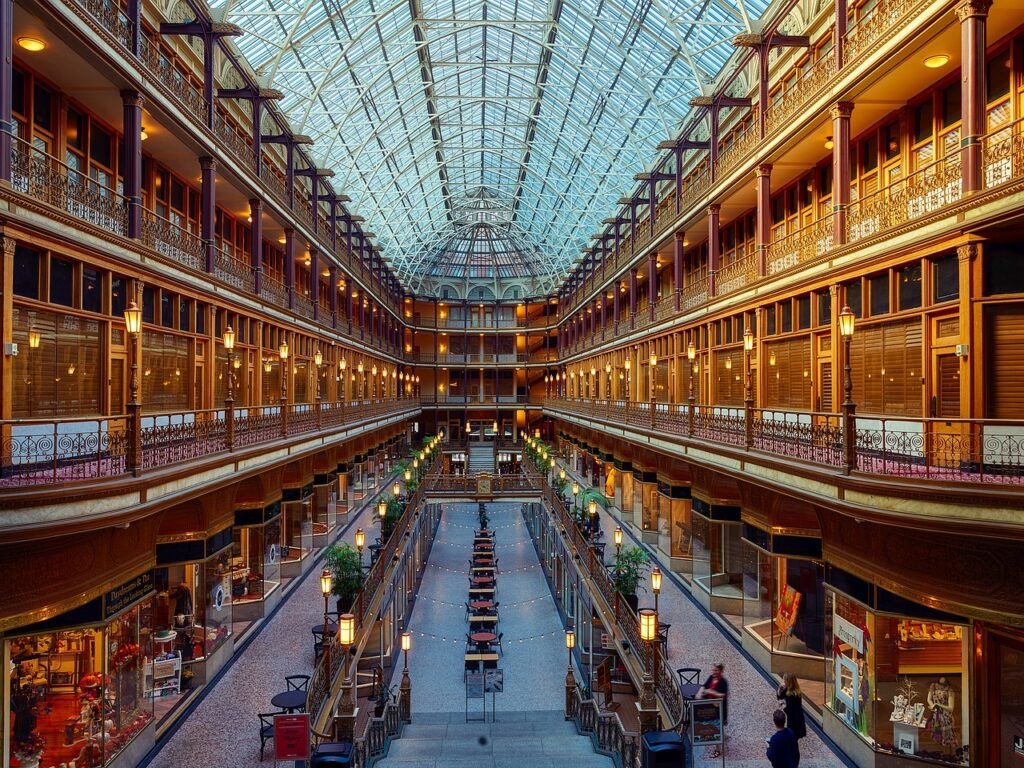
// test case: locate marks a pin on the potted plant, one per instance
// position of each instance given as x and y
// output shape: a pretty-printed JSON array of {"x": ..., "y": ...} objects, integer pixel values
[
  {"x": 631, "y": 566},
  {"x": 187, "y": 676},
  {"x": 346, "y": 564}
]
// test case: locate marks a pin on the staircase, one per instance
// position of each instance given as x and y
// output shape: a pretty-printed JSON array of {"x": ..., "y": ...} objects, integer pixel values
[
  {"x": 480, "y": 458},
  {"x": 534, "y": 739}
]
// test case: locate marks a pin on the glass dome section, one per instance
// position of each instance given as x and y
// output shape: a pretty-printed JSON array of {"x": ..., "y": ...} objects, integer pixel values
[{"x": 551, "y": 106}]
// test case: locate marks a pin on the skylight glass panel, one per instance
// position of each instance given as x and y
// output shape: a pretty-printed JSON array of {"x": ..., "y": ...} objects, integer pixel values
[{"x": 550, "y": 136}]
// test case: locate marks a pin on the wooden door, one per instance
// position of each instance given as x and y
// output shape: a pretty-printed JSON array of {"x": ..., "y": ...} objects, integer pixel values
[{"x": 947, "y": 436}]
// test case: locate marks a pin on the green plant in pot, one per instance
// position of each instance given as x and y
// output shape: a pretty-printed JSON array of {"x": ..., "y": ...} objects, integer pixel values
[
  {"x": 345, "y": 563},
  {"x": 629, "y": 574}
]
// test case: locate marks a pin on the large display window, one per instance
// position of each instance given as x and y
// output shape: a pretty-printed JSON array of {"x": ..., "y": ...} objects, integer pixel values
[
  {"x": 681, "y": 533},
  {"x": 297, "y": 526},
  {"x": 77, "y": 695},
  {"x": 256, "y": 558},
  {"x": 718, "y": 564},
  {"x": 899, "y": 681}
]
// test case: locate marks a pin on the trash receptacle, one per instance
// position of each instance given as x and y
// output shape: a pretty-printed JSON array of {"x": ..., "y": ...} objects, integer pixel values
[
  {"x": 663, "y": 749},
  {"x": 331, "y": 754}
]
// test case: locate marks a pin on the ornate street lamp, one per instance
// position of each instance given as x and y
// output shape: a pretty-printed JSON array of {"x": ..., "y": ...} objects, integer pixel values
[{"x": 847, "y": 323}]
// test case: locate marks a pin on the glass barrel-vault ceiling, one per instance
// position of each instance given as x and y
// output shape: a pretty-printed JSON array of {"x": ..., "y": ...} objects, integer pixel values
[{"x": 548, "y": 107}]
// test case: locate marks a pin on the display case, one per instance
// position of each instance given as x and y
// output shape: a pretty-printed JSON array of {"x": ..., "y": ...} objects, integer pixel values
[
  {"x": 255, "y": 557},
  {"x": 899, "y": 681}
]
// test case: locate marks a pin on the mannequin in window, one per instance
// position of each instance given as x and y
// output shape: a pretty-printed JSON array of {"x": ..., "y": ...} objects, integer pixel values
[
  {"x": 941, "y": 701},
  {"x": 183, "y": 605}
]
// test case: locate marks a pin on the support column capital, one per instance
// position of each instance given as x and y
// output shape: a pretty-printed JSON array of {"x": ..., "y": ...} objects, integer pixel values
[
  {"x": 968, "y": 252},
  {"x": 765, "y": 169},
  {"x": 132, "y": 98},
  {"x": 972, "y": 8},
  {"x": 841, "y": 109},
  {"x": 208, "y": 163},
  {"x": 714, "y": 208}
]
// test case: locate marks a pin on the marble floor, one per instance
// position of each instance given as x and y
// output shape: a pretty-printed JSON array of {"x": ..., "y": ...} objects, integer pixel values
[
  {"x": 223, "y": 728},
  {"x": 533, "y": 639}
]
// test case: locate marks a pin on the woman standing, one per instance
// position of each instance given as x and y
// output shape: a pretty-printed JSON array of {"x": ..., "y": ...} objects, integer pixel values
[{"x": 792, "y": 699}]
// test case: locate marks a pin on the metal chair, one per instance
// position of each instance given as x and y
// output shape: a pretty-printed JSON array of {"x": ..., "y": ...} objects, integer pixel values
[
  {"x": 500, "y": 649},
  {"x": 266, "y": 729},
  {"x": 297, "y": 682},
  {"x": 688, "y": 676}
]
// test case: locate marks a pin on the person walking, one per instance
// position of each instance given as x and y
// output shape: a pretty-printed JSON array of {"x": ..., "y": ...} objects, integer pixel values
[
  {"x": 790, "y": 696},
  {"x": 783, "y": 750}
]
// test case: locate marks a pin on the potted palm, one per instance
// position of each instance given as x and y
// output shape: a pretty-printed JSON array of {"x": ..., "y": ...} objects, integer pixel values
[
  {"x": 346, "y": 565},
  {"x": 631, "y": 566}
]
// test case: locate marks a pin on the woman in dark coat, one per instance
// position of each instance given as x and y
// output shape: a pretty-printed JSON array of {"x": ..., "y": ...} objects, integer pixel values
[{"x": 789, "y": 693}]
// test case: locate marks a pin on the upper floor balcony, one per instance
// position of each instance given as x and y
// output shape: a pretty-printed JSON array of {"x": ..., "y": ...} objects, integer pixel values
[
  {"x": 969, "y": 451},
  {"x": 37, "y": 453}
]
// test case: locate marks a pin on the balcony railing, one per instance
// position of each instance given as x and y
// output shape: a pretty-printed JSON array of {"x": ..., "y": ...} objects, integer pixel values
[
  {"x": 37, "y": 452},
  {"x": 172, "y": 241},
  {"x": 800, "y": 246},
  {"x": 174, "y": 84},
  {"x": 47, "y": 179},
  {"x": 233, "y": 271},
  {"x": 959, "y": 450},
  {"x": 736, "y": 275},
  {"x": 801, "y": 93},
  {"x": 928, "y": 190}
]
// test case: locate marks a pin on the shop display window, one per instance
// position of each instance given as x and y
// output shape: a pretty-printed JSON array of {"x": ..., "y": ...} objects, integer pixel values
[
  {"x": 900, "y": 682},
  {"x": 78, "y": 694},
  {"x": 717, "y": 559},
  {"x": 682, "y": 532},
  {"x": 783, "y": 602},
  {"x": 296, "y": 529},
  {"x": 256, "y": 561},
  {"x": 1009, "y": 680},
  {"x": 194, "y": 602},
  {"x": 649, "y": 506}
]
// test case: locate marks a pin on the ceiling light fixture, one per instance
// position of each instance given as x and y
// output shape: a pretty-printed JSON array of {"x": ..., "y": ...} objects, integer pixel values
[
  {"x": 937, "y": 61},
  {"x": 32, "y": 44},
  {"x": 829, "y": 144}
]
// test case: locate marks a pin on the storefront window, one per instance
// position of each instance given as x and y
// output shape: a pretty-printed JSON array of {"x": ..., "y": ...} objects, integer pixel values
[
  {"x": 783, "y": 602},
  {"x": 255, "y": 562},
  {"x": 900, "y": 682},
  {"x": 682, "y": 534},
  {"x": 78, "y": 695},
  {"x": 297, "y": 529}
]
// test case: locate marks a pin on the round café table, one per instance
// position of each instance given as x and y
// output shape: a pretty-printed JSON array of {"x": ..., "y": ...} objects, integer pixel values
[
  {"x": 483, "y": 638},
  {"x": 318, "y": 629},
  {"x": 481, "y": 605},
  {"x": 290, "y": 701},
  {"x": 482, "y": 581}
]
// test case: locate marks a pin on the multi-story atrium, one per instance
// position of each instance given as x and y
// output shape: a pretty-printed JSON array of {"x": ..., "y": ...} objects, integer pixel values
[{"x": 701, "y": 319}]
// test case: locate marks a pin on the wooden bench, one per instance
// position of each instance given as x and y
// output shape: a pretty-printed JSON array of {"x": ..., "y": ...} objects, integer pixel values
[
  {"x": 483, "y": 570},
  {"x": 477, "y": 619},
  {"x": 482, "y": 592}
]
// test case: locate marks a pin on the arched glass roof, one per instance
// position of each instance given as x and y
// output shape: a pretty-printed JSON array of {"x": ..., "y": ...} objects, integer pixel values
[{"x": 551, "y": 106}]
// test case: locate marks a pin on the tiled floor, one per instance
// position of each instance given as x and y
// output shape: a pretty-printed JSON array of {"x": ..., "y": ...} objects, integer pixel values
[
  {"x": 695, "y": 641},
  {"x": 534, "y": 658},
  {"x": 223, "y": 729}
]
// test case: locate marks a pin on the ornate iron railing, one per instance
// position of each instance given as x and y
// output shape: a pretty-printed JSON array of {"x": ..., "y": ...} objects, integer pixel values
[
  {"x": 606, "y": 730},
  {"x": 50, "y": 181},
  {"x": 174, "y": 242},
  {"x": 736, "y": 275},
  {"x": 172, "y": 437},
  {"x": 172, "y": 81},
  {"x": 811, "y": 84},
  {"x": 800, "y": 246},
  {"x": 233, "y": 271},
  {"x": 41, "y": 452}
]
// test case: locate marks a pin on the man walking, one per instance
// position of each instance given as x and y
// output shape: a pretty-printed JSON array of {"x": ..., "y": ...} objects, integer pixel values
[{"x": 783, "y": 751}]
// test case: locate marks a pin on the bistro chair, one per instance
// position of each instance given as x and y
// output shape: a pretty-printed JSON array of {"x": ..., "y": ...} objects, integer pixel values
[
  {"x": 266, "y": 729},
  {"x": 297, "y": 682},
  {"x": 498, "y": 643},
  {"x": 689, "y": 675}
]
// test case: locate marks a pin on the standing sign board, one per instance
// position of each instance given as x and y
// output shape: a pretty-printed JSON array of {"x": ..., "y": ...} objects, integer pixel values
[
  {"x": 494, "y": 680},
  {"x": 291, "y": 737},
  {"x": 706, "y": 722}
]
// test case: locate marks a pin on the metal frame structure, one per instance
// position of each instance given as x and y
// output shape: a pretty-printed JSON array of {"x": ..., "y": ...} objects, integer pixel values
[{"x": 546, "y": 108}]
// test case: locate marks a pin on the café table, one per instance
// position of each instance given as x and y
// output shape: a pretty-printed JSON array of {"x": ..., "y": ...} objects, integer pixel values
[
  {"x": 482, "y": 581},
  {"x": 483, "y": 638},
  {"x": 290, "y": 701},
  {"x": 481, "y": 605}
]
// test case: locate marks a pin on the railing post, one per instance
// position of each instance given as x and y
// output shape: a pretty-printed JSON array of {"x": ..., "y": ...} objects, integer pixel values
[{"x": 229, "y": 423}]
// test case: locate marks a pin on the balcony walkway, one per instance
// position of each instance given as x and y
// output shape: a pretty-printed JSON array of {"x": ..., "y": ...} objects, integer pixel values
[
  {"x": 223, "y": 729},
  {"x": 694, "y": 640}
]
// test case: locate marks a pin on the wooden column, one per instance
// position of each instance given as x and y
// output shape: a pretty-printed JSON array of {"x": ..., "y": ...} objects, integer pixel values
[
  {"x": 714, "y": 250},
  {"x": 208, "y": 209},
  {"x": 677, "y": 268},
  {"x": 256, "y": 243},
  {"x": 764, "y": 216},
  {"x": 132, "y": 127},
  {"x": 840, "y": 169},
  {"x": 973, "y": 15},
  {"x": 289, "y": 265}
]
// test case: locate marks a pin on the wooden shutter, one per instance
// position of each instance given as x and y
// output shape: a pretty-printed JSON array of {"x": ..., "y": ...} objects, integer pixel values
[
  {"x": 1004, "y": 362},
  {"x": 947, "y": 390},
  {"x": 825, "y": 386},
  {"x": 788, "y": 382}
]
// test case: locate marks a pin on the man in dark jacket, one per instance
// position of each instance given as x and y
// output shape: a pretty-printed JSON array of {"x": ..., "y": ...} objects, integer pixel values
[{"x": 783, "y": 751}]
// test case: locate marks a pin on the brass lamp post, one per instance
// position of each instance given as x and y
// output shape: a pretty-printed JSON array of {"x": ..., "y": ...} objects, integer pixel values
[
  {"x": 652, "y": 371},
  {"x": 405, "y": 698},
  {"x": 346, "y": 708},
  {"x": 648, "y": 704},
  {"x": 691, "y": 356},
  {"x": 847, "y": 323},
  {"x": 748, "y": 390},
  {"x": 656, "y": 585},
  {"x": 326, "y": 587},
  {"x": 282, "y": 352},
  {"x": 360, "y": 543},
  {"x": 570, "y": 680},
  {"x": 133, "y": 325}
]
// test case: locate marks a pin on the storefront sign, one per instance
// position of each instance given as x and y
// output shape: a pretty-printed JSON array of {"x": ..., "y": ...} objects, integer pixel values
[
  {"x": 475, "y": 685},
  {"x": 494, "y": 680},
  {"x": 706, "y": 722},
  {"x": 291, "y": 737},
  {"x": 116, "y": 600},
  {"x": 848, "y": 633}
]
